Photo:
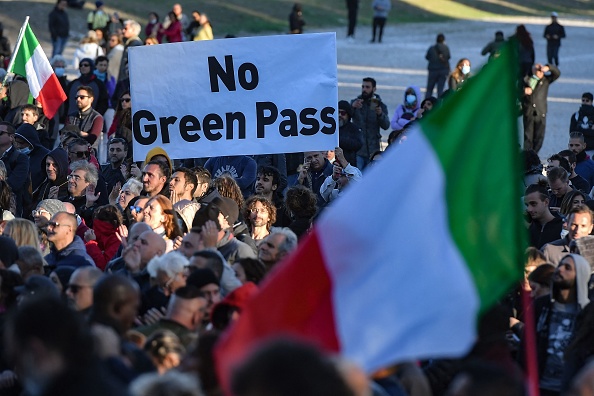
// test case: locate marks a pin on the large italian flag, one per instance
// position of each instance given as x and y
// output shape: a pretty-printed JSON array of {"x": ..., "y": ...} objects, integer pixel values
[
  {"x": 30, "y": 62},
  {"x": 403, "y": 264}
]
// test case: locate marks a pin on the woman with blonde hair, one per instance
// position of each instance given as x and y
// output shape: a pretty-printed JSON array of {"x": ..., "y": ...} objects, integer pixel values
[{"x": 23, "y": 232}]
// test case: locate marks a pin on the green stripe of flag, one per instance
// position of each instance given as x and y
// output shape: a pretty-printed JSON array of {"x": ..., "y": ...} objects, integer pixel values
[
  {"x": 25, "y": 51},
  {"x": 476, "y": 140}
]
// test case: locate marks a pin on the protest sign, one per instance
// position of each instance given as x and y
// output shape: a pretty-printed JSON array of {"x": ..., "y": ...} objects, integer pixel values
[{"x": 257, "y": 95}]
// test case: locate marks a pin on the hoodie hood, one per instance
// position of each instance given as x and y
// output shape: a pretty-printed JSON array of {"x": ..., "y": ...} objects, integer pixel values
[
  {"x": 18, "y": 93},
  {"x": 29, "y": 133},
  {"x": 582, "y": 277},
  {"x": 417, "y": 104},
  {"x": 61, "y": 157},
  {"x": 158, "y": 151}
]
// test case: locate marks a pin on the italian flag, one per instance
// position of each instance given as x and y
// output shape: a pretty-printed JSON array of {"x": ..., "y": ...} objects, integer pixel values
[
  {"x": 30, "y": 62},
  {"x": 402, "y": 266}
]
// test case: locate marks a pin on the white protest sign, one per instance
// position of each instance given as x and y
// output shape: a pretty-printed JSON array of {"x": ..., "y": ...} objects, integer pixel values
[{"x": 257, "y": 95}]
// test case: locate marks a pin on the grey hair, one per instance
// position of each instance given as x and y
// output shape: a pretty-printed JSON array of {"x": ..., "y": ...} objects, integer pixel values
[
  {"x": 171, "y": 263},
  {"x": 172, "y": 383},
  {"x": 91, "y": 174},
  {"x": 133, "y": 25},
  {"x": 134, "y": 185},
  {"x": 290, "y": 242}
]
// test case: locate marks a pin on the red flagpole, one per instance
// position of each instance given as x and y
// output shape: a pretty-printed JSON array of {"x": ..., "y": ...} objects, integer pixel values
[{"x": 530, "y": 344}]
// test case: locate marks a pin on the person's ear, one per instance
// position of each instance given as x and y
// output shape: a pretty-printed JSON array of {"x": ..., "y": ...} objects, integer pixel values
[{"x": 274, "y": 187}]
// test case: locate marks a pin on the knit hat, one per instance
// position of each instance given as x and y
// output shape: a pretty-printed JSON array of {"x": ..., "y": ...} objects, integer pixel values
[
  {"x": 53, "y": 206},
  {"x": 202, "y": 277},
  {"x": 228, "y": 208},
  {"x": 98, "y": 4},
  {"x": 346, "y": 106},
  {"x": 9, "y": 252}
]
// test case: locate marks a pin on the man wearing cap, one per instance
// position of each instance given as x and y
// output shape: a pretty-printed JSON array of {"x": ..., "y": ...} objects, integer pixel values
[
  {"x": 554, "y": 33},
  {"x": 26, "y": 141},
  {"x": 17, "y": 168},
  {"x": 68, "y": 248},
  {"x": 215, "y": 221},
  {"x": 350, "y": 136},
  {"x": 583, "y": 120}
]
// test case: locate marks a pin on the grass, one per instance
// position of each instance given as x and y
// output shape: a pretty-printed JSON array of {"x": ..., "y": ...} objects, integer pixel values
[{"x": 241, "y": 17}]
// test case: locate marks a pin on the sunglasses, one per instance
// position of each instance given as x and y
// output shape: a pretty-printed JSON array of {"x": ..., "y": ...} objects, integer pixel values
[
  {"x": 39, "y": 212},
  {"x": 81, "y": 154},
  {"x": 53, "y": 224},
  {"x": 81, "y": 96},
  {"x": 75, "y": 288},
  {"x": 136, "y": 209},
  {"x": 126, "y": 100},
  {"x": 342, "y": 112}
]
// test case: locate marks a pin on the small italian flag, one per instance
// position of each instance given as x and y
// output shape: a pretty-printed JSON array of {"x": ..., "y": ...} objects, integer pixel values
[
  {"x": 30, "y": 62},
  {"x": 401, "y": 267}
]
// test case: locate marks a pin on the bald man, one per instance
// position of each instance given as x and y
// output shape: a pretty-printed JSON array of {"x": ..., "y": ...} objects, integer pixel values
[
  {"x": 68, "y": 248},
  {"x": 136, "y": 257},
  {"x": 80, "y": 288}
]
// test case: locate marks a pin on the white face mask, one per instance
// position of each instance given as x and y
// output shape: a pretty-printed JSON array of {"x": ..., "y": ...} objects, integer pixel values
[
  {"x": 25, "y": 151},
  {"x": 59, "y": 71},
  {"x": 410, "y": 99},
  {"x": 465, "y": 69}
]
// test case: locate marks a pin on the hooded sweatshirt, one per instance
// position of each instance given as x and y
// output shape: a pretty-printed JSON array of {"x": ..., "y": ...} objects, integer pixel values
[
  {"x": 60, "y": 156},
  {"x": 583, "y": 121},
  {"x": 28, "y": 133},
  {"x": 241, "y": 167},
  {"x": 406, "y": 112},
  {"x": 74, "y": 255}
]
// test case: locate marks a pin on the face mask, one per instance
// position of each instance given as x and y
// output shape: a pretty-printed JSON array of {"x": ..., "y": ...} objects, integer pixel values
[
  {"x": 465, "y": 69},
  {"x": 153, "y": 21},
  {"x": 59, "y": 71},
  {"x": 25, "y": 151},
  {"x": 410, "y": 99}
]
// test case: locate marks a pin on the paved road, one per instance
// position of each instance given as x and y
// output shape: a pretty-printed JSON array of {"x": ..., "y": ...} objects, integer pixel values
[{"x": 400, "y": 61}]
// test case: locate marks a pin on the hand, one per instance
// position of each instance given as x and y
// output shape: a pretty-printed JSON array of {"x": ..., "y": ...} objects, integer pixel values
[
  {"x": 545, "y": 69},
  {"x": 115, "y": 193},
  {"x": 153, "y": 315},
  {"x": 53, "y": 192},
  {"x": 378, "y": 110},
  {"x": 174, "y": 197},
  {"x": 122, "y": 235},
  {"x": 340, "y": 158},
  {"x": 357, "y": 104},
  {"x": 420, "y": 112},
  {"x": 177, "y": 242},
  {"x": 131, "y": 256},
  {"x": 302, "y": 169},
  {"x": 124, "y": 170},
  {"x": 513, "y": 321},
  {"x": 90, "y": 235},
  {"x": 336, "y": 171},
  {"x": 209, "y": 234},
  {"x": 527, "y": 91},
  {"x": 135, "y": 171},
  {"x": 91, "y": 197}
]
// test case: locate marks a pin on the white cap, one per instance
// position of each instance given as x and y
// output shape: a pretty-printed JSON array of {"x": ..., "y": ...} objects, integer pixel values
[{"x": 554, "y": 14}]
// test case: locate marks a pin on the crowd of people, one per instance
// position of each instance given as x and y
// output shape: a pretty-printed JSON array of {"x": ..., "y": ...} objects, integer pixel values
[{"x": 120, "y": 276}]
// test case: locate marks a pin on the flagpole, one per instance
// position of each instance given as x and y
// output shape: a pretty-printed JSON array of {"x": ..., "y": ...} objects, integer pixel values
[
  {"x": 530, "y": 344},
  {"x": 16, "y": 47}
]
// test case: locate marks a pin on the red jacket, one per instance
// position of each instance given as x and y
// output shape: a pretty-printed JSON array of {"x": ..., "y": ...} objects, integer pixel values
[{"x": 104, "y": 248}]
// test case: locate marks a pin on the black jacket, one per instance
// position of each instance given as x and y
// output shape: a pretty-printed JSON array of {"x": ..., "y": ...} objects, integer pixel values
[
  {"x": 583, "y": 121},
  {"x": 59, "y": 25},
  {"x": 350, "y": 140},
  {"x": 535, "y": 105}
]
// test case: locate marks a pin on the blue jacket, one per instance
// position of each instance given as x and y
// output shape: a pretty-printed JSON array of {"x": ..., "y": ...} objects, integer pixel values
[
  {"x": 241, "y": 167},
  {"x": 586, "y": 170},
  {"x": 74, "y": 255}
]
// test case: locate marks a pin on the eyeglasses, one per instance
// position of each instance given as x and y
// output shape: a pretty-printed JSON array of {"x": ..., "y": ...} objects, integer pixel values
[
  {"x": 82, "y": 96},
  {"x": 36, "y": 213},
  {"x": 84, "y": 65},
  {"x": 76, "y": 288},
  {"x": 53, "y": 224},
  {"x": 584, "y": 100},
  {"x": 125, "y": 100},
  {"x": 258, "y": 210},
  {"x": 75, "y": 177},
  {"x": 80, "y": 154},
  {"x": 136, "y": 209},
  {"x": 342, "y": 112}
]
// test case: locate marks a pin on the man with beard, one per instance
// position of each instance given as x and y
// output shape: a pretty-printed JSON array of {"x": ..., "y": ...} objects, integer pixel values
[
  {"x": 154, "y": 179},
  {"x": 579, "y": 224},
  {"x": 112, "y": 172},
  {"x": 350, "y": 137},
  {"x": 370, "y": 114},
  {"x": 85, "y": 117},
  {"x": 259, "y": 214},
  {"x": 556, "y": 318},
  {"x": 268, "y": 181},
  {"x": 584, "y": 166}
]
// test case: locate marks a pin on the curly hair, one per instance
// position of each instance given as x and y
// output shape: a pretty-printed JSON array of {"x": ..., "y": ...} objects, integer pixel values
[
  {"x": 251, "y": 204},
  {"x": 301, "y": 202},
  {"x": 253, "y": 268},
  {"x": 171, "y": 224},
  {"x": 109, "y": 214},
  {"x": 227, "y": 187}
]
